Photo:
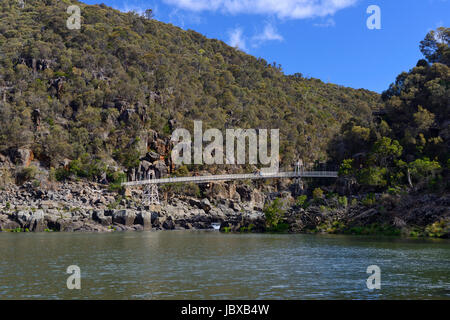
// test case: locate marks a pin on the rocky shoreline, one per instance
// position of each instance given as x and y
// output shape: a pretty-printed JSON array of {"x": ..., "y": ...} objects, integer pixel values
[
  {"x": 89, "y": 207},
  {"x": 92, "y": 208}
]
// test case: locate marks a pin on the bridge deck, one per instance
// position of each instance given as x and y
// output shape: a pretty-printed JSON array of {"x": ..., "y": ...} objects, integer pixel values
[{"x": 230, "y": 177}]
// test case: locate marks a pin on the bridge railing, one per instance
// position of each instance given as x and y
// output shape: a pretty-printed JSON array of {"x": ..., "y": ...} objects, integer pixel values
[{"x": 228, "y": 177}]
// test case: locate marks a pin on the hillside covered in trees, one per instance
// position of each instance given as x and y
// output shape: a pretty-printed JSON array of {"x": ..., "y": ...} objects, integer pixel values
[
  {"x": 407, "y": 145},
  {"x": 98, "y": 95}
]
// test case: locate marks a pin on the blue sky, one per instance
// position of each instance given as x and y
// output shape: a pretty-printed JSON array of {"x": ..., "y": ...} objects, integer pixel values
[{"x": 325, "y": 39}]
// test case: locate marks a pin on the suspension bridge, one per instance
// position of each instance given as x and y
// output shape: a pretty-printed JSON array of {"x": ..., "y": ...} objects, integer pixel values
[{"x": 151, "y": 185}]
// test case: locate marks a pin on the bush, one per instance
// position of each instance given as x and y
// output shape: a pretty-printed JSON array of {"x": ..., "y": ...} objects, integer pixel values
[
  {"x": 61, "y": 174},
  {"x": 274, "y": 213},
  {"x": 424, "y": 169},
  {"x": 317, "y": 194},
  {"x": 374, "y": 176},
  {"x": 116, "y": 178},
  {"x": 27, "y": 174},
  {"x": 82, "y": 167},
  {"x": 301, "y": 201},
  {"x": 438, "y": 229},
  {"x": 346, "y": 168},
  {"x": 369, "y": 200},
  {"x": 343, "y": 201},
  {"x": 394, "y": 190}
]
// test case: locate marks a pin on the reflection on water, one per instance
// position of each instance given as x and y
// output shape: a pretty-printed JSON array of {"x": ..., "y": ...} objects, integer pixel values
[{"x": 213, "y": 265}]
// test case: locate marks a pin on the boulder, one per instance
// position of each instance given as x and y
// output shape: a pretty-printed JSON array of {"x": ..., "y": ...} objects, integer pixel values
[
  {"x": 37, "y": 222},
  {"x": 159, "y": 146},
  {"x": 258, "y": 199},
  {"x": 151, "y": 157},
  {"x": 218, "y": 191},
  {"x": 144, "y": 218},
  {"x": 145, "y": 165},
  {"x": 203, "y": 204},
  {"x": 64, "y": 224},
  {"x": 22, "y": 217},
  {"x": 7, "y": 224},
  {"x": 161, "y": 169},
  {"x": 125, "y": 217},
  {"x": 168, "y": 224},
  {"x": 245, "y": 192},
  {"x": 21, "y": 156},
  {"x": 97, "y": 215},
  {"x": 105, "y": 221}
]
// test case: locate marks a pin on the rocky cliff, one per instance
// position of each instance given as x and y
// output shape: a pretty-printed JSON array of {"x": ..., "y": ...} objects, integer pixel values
[{"x": 77, "y": 206}]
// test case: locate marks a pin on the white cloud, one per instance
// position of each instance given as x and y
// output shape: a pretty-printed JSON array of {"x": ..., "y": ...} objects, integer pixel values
[
  {"x": 291, "y": 9},
  {"x": 237, "y": 39},
  {"x": 269, "y": 34}
]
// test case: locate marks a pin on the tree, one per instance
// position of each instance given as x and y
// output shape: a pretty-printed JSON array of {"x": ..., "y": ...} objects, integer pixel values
[
  {"x": 423, "y": 168},
  {"x": 435, "y": 46},
  {"x": 148, "y": 14},
  {"x": 423, "y": 118},
  {"x": 346, "y": 167},
  {"x": 386, "y": 150},
  {"x": 373, "y": 176}
]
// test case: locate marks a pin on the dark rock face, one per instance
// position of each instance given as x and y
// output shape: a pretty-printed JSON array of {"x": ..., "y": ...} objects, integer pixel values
[
  {"x": 161, "y": 169},
  {"x": 245, "y": 192},
  {"x": 125, "y": 217},
  {"x": 168, "y": 224},
  {"x": 21, "y": 156},
  {"x": 346, "y": 186},
  {"x": 152, "y": 157},
  {"x": 82, "y": 207},
  {"x": 7, "y": 224},
  {"x": 144, "y": 219}
]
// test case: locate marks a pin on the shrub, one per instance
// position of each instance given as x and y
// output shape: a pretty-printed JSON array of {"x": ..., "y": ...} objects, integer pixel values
[
  {"x": 369, "y": 200},
  {"x": 346, "y": 167},
  {"x": 422, "y": 168},
  {"x": 226, "y": 229},
  {"x": 116, "y": 179},
  {"x": 438, "y": 229},
  {"x": 317, "y": 194},
  {"x": 373, "y": 176},
  {"x": 27, "y": 174},
  {"x": 274, "y": 213},
  {"x": 343, "y": 201},
  {"x": 301, "y": 201},
  {"x": 394, "y": 190}
]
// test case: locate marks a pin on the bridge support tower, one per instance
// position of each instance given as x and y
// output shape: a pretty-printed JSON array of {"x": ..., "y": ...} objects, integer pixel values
[{"x": 151, "y": 194}]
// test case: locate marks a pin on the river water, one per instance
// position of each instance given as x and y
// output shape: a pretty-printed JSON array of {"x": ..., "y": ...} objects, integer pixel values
[{"x": 213, "y": 265}]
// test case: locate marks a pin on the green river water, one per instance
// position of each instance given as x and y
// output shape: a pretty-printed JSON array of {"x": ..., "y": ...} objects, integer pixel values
[{"x": 214, "y": 265}]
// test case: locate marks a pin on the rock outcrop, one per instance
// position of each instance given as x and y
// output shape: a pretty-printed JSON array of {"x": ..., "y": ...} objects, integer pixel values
[{"x": 72, "y": 206}]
